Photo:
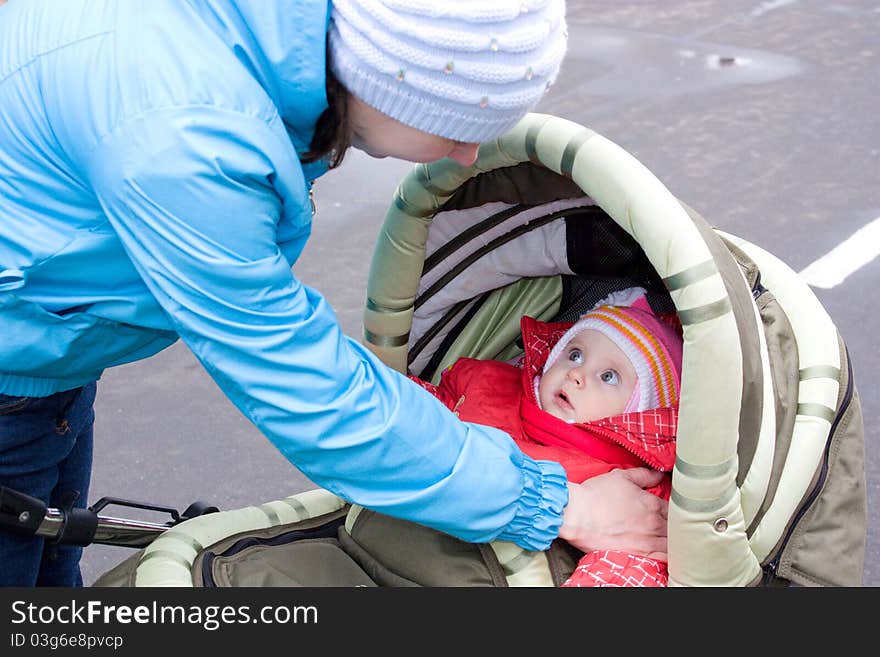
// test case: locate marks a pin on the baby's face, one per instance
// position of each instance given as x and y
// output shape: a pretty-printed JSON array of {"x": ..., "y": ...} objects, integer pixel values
[{"x": 591, "y": 379}]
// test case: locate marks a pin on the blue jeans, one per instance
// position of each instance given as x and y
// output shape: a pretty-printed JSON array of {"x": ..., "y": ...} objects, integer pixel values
[{"x": 46, "y": 452}]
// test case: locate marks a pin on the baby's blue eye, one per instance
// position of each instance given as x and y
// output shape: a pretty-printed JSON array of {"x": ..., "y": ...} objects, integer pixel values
[
  {"x": 610, "y": 377},
  {"x": 576, "y": 356}
]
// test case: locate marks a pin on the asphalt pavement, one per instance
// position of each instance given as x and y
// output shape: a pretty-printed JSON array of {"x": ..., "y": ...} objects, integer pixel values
[{"x": 762, "y": 116}]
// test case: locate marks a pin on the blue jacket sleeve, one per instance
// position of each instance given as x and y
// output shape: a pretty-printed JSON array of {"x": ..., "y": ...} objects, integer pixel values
[{"x": 212, "y": 209}]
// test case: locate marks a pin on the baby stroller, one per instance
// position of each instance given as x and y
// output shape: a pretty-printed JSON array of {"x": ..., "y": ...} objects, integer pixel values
[{"x": 769, "y": 482}]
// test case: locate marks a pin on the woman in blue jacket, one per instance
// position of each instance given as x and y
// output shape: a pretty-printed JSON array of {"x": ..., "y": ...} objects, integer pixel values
[{"x": 156, "y": 162}]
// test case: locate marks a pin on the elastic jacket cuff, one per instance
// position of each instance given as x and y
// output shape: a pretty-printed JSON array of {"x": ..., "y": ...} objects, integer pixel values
[{"x": 539, "y": 514}]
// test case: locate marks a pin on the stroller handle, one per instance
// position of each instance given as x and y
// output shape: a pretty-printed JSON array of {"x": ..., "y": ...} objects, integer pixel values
[
  {"x": 88, "y": 527},
  {"x": 28, "y": 516}
]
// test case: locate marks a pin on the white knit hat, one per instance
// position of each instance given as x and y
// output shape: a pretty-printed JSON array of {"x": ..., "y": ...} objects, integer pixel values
[{"x": 466, "y": 70}]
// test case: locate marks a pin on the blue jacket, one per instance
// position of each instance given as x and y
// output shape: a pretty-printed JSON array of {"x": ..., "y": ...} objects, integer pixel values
[{"x": 150, "y": 189}]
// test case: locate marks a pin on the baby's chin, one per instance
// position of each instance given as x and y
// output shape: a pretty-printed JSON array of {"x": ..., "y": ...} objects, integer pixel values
[{"x": 565, "y": 417}]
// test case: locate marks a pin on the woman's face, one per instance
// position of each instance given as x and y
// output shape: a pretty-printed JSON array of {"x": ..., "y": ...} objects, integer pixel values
[{"x": 378, "y": 135}]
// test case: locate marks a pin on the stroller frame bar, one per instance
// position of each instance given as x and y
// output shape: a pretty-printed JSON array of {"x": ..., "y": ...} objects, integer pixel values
[
  {"x": 121, "y": 532},
  {"x": 28, "y": 516}
]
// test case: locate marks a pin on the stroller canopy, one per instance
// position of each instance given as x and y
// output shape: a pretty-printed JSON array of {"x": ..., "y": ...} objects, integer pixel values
[{"x": 769, "y": 474}]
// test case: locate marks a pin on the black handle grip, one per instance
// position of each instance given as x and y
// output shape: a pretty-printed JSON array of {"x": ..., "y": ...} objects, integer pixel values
[
  {"x": 20, "y": 513},
  {"x": 79, "y": 527}
]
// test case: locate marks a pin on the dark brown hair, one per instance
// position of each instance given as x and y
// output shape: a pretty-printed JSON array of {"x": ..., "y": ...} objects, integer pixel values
[{"x": 332, "y": 133}]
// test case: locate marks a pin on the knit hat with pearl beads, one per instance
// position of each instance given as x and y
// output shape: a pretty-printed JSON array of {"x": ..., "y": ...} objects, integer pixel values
[{"x": 467, "y": 70}]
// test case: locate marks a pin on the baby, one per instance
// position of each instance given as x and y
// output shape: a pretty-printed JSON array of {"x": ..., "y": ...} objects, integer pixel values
[{"x": 595, "y": 395}]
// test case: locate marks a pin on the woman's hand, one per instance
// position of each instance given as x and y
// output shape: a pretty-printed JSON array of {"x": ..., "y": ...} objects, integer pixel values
[{"x": 612, "y": 512}]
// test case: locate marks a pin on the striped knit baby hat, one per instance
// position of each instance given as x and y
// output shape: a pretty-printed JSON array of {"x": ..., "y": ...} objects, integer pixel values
[
  {"x": 467, "y": 70},
  {"x": 653, "y": 346}
]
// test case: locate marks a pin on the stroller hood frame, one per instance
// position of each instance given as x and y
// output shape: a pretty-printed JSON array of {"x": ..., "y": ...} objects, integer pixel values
[{"x": 769, "y": 474}]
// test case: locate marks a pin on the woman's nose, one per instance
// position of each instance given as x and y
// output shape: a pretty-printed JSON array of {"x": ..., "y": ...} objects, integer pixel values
[{"x": 464, "y": 153}]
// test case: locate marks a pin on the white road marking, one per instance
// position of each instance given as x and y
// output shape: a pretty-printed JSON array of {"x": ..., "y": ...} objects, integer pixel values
[{"x": 844, "y": 259}]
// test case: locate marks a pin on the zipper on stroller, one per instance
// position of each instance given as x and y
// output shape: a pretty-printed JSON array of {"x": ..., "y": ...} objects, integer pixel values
[
  {"x": 322, "y": 532},
  {"x": 770, "y": 570}
]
